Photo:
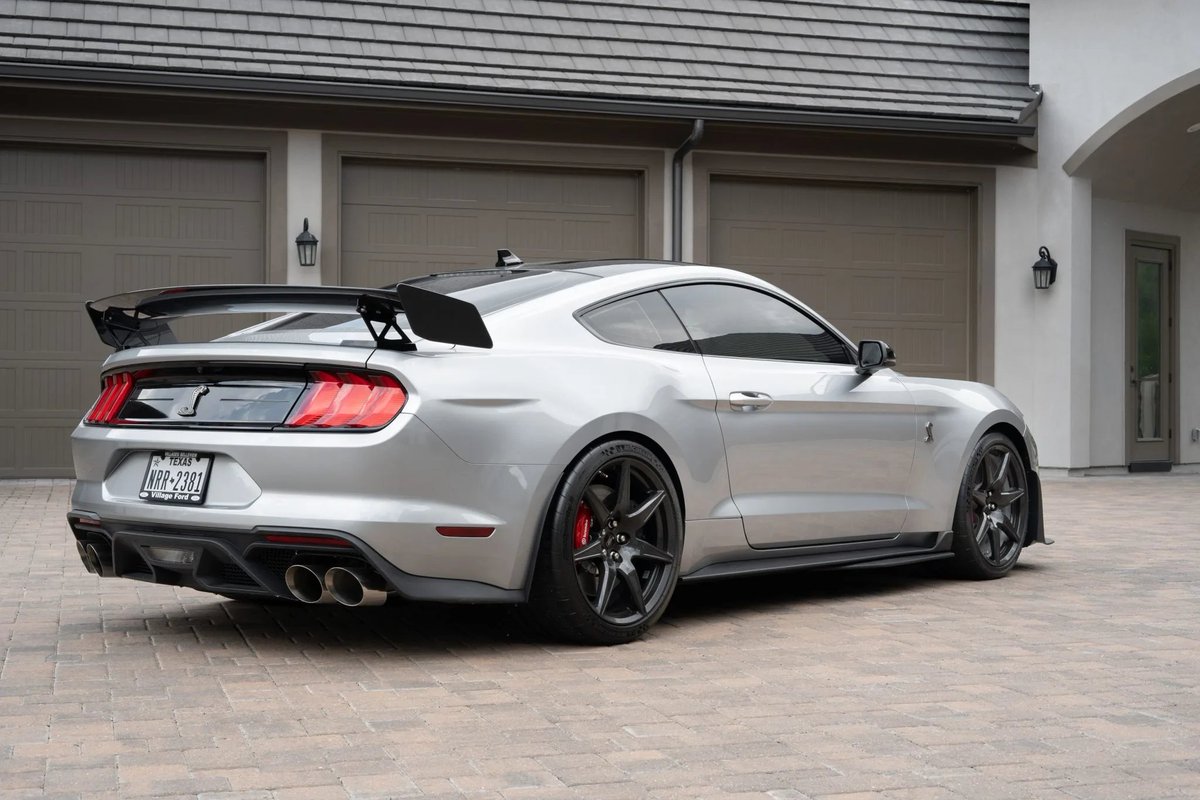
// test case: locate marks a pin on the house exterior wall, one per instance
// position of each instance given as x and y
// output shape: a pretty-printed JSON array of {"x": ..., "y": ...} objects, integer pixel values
[
  {"x": 1111, "y": 221},
  {"x": 1102, "y": 61},
  {"x": 1060, "y": 353},
  {"x": 303, "y": 198}
]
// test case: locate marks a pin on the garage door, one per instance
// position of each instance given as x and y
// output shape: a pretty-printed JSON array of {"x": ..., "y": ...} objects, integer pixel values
[
  {"x": 405, "y": 219},
  {"x": 77, "y": 225},
  {"x": 880, "y": 262}
]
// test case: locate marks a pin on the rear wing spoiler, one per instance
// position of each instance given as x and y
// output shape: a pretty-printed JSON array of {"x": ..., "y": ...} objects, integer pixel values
[{"x": 142, "y": 318}]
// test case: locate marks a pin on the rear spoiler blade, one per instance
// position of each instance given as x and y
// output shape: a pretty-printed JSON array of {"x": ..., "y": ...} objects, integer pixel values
[{"x": 142, "y": 318}]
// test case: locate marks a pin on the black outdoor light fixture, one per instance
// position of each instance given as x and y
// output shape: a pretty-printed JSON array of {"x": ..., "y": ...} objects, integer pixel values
[
  {"x": 306, "y": 246},
  {"x": 1044, "y": 271}
]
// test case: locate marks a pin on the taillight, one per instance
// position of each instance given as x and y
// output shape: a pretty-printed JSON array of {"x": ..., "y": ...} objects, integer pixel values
[
  {"x": 113, "y": 393},
  {"x": 348, "y": 400}
]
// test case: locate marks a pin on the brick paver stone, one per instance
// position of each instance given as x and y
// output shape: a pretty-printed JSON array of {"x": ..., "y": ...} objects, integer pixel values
[{"x": 1077, "y": 677}]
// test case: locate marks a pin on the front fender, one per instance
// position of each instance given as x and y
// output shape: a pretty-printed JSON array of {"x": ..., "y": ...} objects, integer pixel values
[{"x": 960, "y": 413}]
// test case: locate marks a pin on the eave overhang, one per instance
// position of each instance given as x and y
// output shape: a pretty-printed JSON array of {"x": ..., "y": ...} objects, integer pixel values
[{"x": 316, "y": 91}]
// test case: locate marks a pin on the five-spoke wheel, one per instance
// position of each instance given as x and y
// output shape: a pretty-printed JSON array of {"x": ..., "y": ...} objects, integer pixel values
[
  {"x": 991, "y": 517},
  {"x": 610, "y": 554}
]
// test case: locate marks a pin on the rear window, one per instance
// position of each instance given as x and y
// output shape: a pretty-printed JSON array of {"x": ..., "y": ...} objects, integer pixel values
[{"x": 487, "y": 289}]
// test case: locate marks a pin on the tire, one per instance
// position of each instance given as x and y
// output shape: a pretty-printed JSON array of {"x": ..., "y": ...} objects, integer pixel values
[
  {"x": 992, "y": 511},
  {"x": 608, "y": 560}
]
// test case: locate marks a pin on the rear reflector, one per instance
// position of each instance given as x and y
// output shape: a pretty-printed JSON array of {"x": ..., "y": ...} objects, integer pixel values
[
  {"x": 286, "y": 538},
  {"x": 465, "y": 531},
  {"x": 348, "y": 400}
]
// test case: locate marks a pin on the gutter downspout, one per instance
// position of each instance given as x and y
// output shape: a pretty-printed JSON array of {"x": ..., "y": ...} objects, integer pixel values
[
  {"x": 1033, "y": 104},
  {"x": 677, "y": 188}
]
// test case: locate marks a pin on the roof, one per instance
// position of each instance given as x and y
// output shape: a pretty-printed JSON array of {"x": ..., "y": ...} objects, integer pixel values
[{"x": 954, "y": 59}]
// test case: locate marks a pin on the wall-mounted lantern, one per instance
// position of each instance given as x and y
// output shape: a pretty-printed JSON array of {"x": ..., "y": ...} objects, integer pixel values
[
  {"x": 1045, "y": 270},
  {"x": 306, "y": 247}
]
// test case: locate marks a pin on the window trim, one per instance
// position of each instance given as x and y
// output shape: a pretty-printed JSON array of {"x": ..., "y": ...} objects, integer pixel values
[{"x": 816, "y": 319}]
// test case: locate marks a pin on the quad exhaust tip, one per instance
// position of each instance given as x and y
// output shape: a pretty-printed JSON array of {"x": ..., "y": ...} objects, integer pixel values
[
  {"x": 94, "y": 561},
  {"x": 355, "y": 588},
  {"x": 306, "y": 585},
  {"x": 81, "y": 548}
]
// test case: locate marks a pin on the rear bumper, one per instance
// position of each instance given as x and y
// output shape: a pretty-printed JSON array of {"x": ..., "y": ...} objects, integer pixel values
[
  {"x": 385, "y": 491},
  {"x": 246, "y": 563}
]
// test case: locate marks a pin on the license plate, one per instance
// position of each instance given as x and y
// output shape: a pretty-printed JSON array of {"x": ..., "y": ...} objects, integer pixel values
[{"x": 176, "y": 477}]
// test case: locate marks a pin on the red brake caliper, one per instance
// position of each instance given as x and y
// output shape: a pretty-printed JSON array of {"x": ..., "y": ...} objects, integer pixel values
[{"x": 583, "y": 525}]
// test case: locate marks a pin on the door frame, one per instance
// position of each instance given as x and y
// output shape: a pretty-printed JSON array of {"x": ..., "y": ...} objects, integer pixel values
[{"x": 1171, "y": 244}]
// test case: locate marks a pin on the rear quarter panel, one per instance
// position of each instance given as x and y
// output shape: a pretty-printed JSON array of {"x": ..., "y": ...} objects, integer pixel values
[{"x": 543, "y": 402}]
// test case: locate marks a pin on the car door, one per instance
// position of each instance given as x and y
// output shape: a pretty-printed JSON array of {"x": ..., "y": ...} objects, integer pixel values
[{"x": 816, "y": 452}]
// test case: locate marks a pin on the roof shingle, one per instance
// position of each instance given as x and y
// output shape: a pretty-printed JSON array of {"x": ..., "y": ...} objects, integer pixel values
[{"x": 965, "y": 59}]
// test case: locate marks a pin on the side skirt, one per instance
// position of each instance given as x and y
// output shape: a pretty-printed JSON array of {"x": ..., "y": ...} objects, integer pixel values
[{"x": 924, "y": 547}]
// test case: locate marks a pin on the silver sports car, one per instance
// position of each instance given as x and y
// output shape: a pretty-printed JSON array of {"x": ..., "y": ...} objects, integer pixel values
[{"x": 578, "y": 437}]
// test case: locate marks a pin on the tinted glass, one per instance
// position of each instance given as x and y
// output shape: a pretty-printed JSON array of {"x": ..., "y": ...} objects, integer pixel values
[
  {"x": 492, "y": 290},
  {"x": 734, "y": 321},
  {"x": 487, "y": 289},
  {"x": 642, "y": 321}
]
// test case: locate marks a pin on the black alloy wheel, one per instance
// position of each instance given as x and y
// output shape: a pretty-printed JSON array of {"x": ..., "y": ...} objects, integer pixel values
[
  {"x": 610, "y": 553},
  {"x": 993, "y": 510}
]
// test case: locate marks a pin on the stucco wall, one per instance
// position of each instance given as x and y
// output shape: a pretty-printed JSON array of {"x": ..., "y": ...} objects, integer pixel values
[
  {"x": 1016, "y": 339},
  {"x": 1111, "y": 220},
  {"x": 1097, "y": 59},
  {"x": 1100, "y": 64}
]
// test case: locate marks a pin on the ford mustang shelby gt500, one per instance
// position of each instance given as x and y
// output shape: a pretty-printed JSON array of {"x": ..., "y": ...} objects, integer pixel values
[{"x": 578, "y": 436}]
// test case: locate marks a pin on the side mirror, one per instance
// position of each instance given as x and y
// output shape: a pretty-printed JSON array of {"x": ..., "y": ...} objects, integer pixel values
[{"x": 874, "y": 354}]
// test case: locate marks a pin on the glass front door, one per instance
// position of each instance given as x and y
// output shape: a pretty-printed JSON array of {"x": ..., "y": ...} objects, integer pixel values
[{"x": 1149, "y": 355}]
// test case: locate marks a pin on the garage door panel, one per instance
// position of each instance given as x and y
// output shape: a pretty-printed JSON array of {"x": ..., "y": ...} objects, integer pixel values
[
  {"x": 50, "y": 220},
  {"x": 933, "y": 210},
  {"x": 89, "y": 223},
  {"x": 447, "y": 232},
  {"x": 878, "y": 262},
  {"x": 753, "y": 244},
  {"x": 480, "y": 186},
  {"x": 809, "y": 286},
  {"x": 112, "y": 221},
  {"x": 48, "y": 275},
  {"x": 149, "y": 268},
  {"x": 51, "y": 169},
  {"x": 402, "y": 219},
  {"x": 373, "y": 271},
  {"x": 937, "y": 351},
  {"x": 570, "y": 236},
  {"x": 873, "y": 295},
  {"x": 52, "y": 334},
  {"x": 42, "y": 448}
]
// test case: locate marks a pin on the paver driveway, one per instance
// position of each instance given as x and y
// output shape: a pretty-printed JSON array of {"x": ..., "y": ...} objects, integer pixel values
[{"x": 1076, "y": 677}]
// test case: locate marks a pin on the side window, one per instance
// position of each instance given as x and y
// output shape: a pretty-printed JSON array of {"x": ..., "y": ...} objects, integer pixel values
[
  {"x": 739, "y": 322},
  {"x": 644, "y": 320}
]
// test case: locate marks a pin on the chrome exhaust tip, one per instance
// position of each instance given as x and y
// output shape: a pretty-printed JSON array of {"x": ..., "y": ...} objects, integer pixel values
[
  {"x": 97, "y": 563},
  {"x": 306, "y": 585},
  {"x": 81, "y": 548},
  {"x": 355, "y": 588}
]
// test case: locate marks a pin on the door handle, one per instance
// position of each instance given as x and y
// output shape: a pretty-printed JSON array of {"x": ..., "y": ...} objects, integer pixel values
[{"x": 749, "y": 401}]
